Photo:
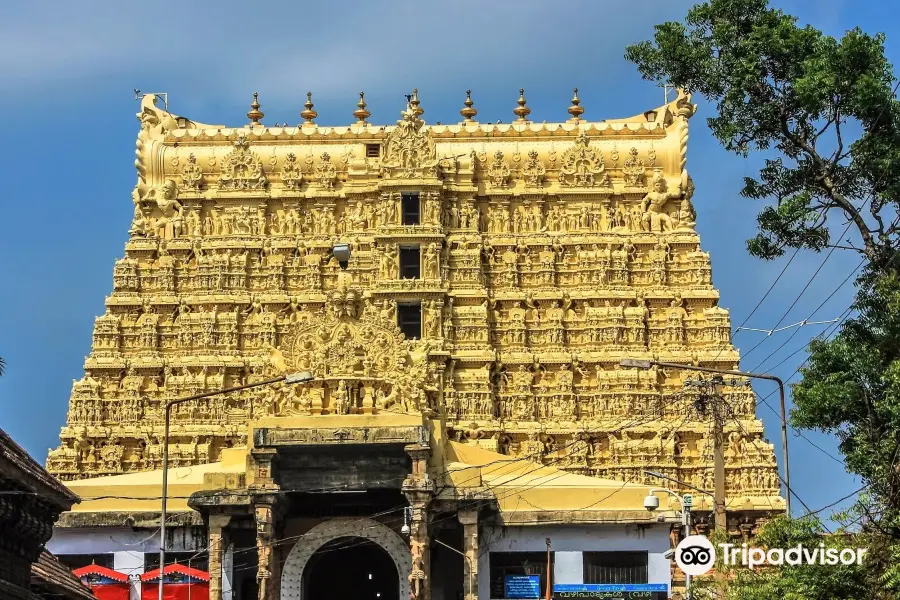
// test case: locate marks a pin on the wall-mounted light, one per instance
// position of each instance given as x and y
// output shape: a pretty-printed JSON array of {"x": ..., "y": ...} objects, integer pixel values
[{"x": 405, "y": 529}]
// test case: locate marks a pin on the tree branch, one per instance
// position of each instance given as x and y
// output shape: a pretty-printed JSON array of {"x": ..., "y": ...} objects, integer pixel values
[{"x": 828, "y": 184}]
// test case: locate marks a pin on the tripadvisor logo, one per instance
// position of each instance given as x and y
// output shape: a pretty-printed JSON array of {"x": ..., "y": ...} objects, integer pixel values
[{"x": 696, "y": 555}]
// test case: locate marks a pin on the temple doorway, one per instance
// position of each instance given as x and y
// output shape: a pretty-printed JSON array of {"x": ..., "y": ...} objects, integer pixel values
[
  {"x": 356, "y": 547},
  {"x": 351, "y": 568}
]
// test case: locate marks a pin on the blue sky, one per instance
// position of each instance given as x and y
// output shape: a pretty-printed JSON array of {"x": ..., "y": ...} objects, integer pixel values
[{"x": 67, "y": 71}]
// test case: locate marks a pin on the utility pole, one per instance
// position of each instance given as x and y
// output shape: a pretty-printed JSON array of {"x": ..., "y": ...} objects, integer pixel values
[
  {"x": 646, "y": 364},
  {"x": 711, "y": 403},
  {"x": 718, "y": 410},
  {"x": 549, "y": 594}
]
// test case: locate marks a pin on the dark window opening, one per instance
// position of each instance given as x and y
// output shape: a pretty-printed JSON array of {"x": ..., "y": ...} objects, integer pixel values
[
  {"x": 194, "y": 560},
  {"x": 615, "y": 567},
  {"x": 410, "y": 263},
  {"x": 76, "y": 561},
  {"x": 409, "y": 319},
  {"x": 373, "y": 150},
  {"x": 519, "y": 564},
  {"x": 410, "y": 207}
]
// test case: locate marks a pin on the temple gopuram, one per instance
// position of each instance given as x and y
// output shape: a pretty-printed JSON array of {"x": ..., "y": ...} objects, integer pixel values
[{"x": 468, "y": 406}]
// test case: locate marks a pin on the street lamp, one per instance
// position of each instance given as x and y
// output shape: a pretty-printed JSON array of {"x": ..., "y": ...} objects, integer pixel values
[
  {"x": 290, "y": 379},
  {"x": 646, "y": 364},
  {"x": 651, "y": 503},
  {"x": 341, "y": 253},
  {"x": 405, "y": 529},
  {"x": 473, "y": 593}
]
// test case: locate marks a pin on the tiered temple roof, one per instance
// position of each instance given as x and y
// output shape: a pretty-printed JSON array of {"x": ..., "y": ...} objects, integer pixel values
[{"x": 548, "y": 252}]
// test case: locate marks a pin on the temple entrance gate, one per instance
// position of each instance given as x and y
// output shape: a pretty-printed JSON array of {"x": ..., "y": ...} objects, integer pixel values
[{"x": 353, "y": 531}]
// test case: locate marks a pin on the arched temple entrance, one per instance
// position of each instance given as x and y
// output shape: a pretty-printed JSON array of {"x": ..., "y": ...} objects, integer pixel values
[
  {"x": 349, "y": 550},
  {"x": 351, "y": 568}
]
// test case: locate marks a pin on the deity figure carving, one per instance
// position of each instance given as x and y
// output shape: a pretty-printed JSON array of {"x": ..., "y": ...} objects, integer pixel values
[
  {"x": 653, "y": 205},
  {"x": 432, "y": 260},
  {"x": 192, "y": 174},
  {"x": 291, "y": 173},
  {"x": 582, "y": 166},
  {"x": 534, "y": 170},
  {"x": 633, "y": 169},
  {"x": 171, "y": 220},
  {"x": 138, "y": 223},
  {"x": 242, "y": 169},
  {"x": 326, "y": 174},
  {"x": 498, "y": 171},
  {"x": 408, "y": 151},
  {"x": 687, "y": 218}
]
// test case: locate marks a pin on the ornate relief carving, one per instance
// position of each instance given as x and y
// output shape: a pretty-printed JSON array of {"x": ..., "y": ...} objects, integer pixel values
[
  {"x": 325, "y": 172},
  {"x": 242, "y": 169},
  {"x": 192, "y": 174},
  {"x": 534, "y": 170},
  {"x": 362, "y": 360},
  {"x": 528, "y": 301},
  {"x": 408, "y": 151},
  {"x": 653, "y": 205},
  {"x": 291, "y": 173},
  {"x": 498, "y": 171},
  {"x": 582, "y": 166},
  {"x": 633, "y": 169}
]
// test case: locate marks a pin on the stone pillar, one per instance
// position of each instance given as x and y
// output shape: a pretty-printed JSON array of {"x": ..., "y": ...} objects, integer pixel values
[
  {"x": 265, "y": 527},
  {"x": 469, "y": 520},
  {"x": 419, "y": 489},
  {"x": 132, "y": 564},
  {"x": 216, "y": 545},
  {"x": 264, "y": 492}
]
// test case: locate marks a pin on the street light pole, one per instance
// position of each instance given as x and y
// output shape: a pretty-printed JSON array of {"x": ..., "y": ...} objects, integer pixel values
[
  {"x": 686, "y": 503},
  {"x": 646, "y": 364},
  {"x": 465, "y": 556},
  {"x": 292, "y": 378}
]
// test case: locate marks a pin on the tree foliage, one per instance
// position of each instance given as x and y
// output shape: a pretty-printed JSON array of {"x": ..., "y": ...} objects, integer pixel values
[
  {"x": 824, "y": 109},
  {"x": 823, "y": 114},
  {"x": 792, "y": 582},
  {"x": 851, "y": 388}
]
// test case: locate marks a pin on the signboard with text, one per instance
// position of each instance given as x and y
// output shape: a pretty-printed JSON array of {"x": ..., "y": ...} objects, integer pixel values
[
  {"x": 604, "y": 591},
  {"x": 522, "y": 586}
]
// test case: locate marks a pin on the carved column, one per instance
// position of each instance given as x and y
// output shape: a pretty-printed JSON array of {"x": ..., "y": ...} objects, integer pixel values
[
  {"x": 216, "y": 528},
  {"x": 264, "y": 492},
  {"x": 419, "y": 489},
  {"x": 469, "y": 520}
]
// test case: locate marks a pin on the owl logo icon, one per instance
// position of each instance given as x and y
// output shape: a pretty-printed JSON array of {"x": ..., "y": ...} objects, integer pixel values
[{"x": 695, "y": 555}]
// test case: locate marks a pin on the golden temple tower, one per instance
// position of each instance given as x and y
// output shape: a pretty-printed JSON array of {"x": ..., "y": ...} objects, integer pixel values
[{"x": 499, "y": 274}]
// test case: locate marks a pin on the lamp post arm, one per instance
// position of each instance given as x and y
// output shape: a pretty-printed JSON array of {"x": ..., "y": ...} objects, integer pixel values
[
  {"x": 165, "y": 460},
  {"x": 784, "y": 436},
  {"x": 463, "y": 554},
  {"x": 679, "y": 482}
]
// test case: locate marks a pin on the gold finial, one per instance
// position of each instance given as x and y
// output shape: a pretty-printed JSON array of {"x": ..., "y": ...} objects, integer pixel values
[
  {"x": 308, "y": 113},
  {"x": 255, "y": 114},
  {"x": 521, "y": 111},
  {"x": 575, "y": 110},
  {"x": 361, "y": 113},
  {"x": 415, "y": 103},
  {"x": 468, "y": 112}
]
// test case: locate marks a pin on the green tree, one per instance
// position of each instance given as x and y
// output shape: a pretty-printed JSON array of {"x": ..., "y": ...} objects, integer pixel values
[
  {"x": 823, "y": 113},
  {"x": 797, "y": 93},
  {"x": 851, "y": 388},
  {"x": 790, "y": 582},
  {"x": 824, "y": 107}
]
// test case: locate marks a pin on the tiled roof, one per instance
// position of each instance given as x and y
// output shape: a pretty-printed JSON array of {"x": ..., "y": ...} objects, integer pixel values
[
  {"x": 176, "y": 568},
  {"x": 51, "y": 576},
  {"x": 31, "y": 474}
]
